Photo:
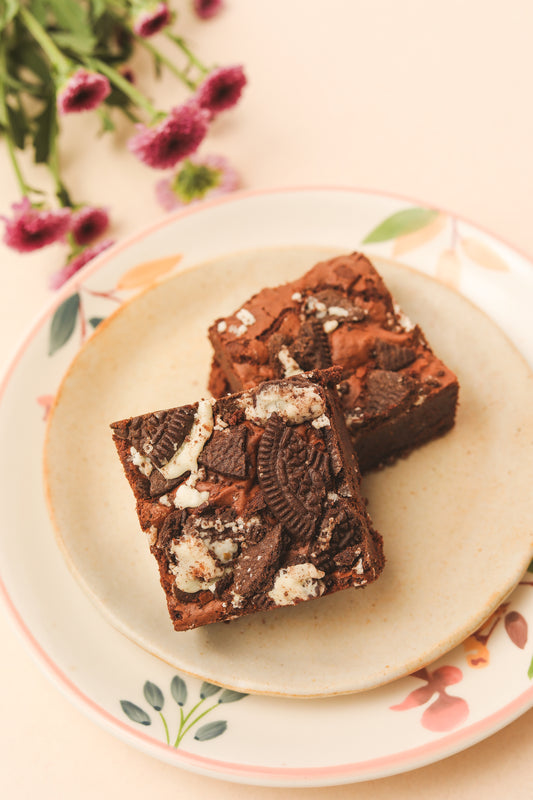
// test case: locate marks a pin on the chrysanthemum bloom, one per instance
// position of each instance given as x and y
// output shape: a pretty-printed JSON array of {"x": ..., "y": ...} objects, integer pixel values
[
  {"x": 199, "y": 178},
  {"x": 152, "y": 19},
  {"x": 221, "y": 89},
  {"x": 75, "y": 264},
  {"x": 206, "y": 9},
  {"x": 88, "y": 224},
  {"x": 31, "y": 228},
  {"x": 173, "y": 139},
  {"x": 83, "y": 91}
]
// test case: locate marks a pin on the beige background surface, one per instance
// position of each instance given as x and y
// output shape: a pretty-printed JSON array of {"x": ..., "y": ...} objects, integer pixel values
[{"x": 428, "y": 99}]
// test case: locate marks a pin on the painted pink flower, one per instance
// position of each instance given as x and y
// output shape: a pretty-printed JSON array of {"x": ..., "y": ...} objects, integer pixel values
[
  {"x": 173, "y": 139},
  {"x": 31, "y": 228},
  {"x": 221, "y": 89},
  {"x": 200, "y": 177},
  {"x": 152, "y": 19},
  {"x": 446, "y": 711},
  {"x": 88, "y": 224},
  {"x": 205, "y": 9},
  {"x": 83, "y": 91},
  {"x": 75, "y": 264}
]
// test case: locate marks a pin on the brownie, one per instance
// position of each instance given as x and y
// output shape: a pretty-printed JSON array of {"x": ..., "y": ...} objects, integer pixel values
[
  {"x": 251, "y": 501},
  {"x": 394, "y": 392}
]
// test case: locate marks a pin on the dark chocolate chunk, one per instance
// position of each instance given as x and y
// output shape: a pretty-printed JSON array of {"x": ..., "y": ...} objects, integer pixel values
[
  {"x": 386, "y": 390},
  {"x": 255, "y": 567},
  {"x": 160, "y": 485},
  {"x": 347, "y": 557},
  {"x": 311, "y": 348},
  {"x": 225, "y": 452},
  {"x": 392, "y": 356},
  {"x": 339, "y": 528},
  {"x": 293, "y": 476}
]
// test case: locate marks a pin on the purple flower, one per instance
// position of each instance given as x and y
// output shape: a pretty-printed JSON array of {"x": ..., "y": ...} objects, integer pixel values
[
  {"x": 200, "y": 177},
  {"x": 152, "y": 19},
  {"x": 221, "y": 89},
  {"x": 75, "y": 264},
  {"x": 82, "y": 92},
  {"x": 173, "y": 139},
  {"x": 88, "y": 224},
  {"x": 31, "y": 228},
  {"x": 205, "y": 9}
]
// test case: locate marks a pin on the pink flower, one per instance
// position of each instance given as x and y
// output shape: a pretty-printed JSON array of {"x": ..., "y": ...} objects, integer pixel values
[
  {"x": 221, "y": 89},
  {"x": 200, "y": 177},
  {"x": 152, "y": 19},
  {"x": 75, "y": 264},
  {"x": 82, "y": 92},
  {"x": 88, "y": 224},
  {"x": 173, "y": 139},
  {"x": 30, "y": 228},
  {"x": 206, "y": 9}
]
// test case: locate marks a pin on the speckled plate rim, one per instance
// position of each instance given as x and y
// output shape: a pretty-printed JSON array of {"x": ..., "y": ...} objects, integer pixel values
[{"x": 409, "y": 758}]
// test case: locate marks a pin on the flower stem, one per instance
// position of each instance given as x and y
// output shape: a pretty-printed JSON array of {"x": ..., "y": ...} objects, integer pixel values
[
  {"x": 54, "y": 54},
  {"x": 124, "y": 85},
  {"x": 179, "y": 42},
  {"x": 4, "y": 116},
  {"x": 166, "y": 61},
  {"x": 166, "y": 727},
  {"x": 194, "y": 721}
]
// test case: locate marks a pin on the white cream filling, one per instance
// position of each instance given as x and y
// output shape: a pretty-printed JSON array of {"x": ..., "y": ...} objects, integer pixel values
[
  {"x": 294, "y": 404},
  {"x": 330, "y": 325},
  {"x": 246, "y": 317},
  {"x": 196, "y": 568},
  {"x": 298, "y": 582},
  {"x": 185, "y": 458},
  {"x": 142, "y": 463},
  {"x": 321, "y": 422},
  {"x": 289, "y": 364}
]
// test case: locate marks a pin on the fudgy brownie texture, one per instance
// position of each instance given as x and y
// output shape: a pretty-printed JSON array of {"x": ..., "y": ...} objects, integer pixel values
[
  {"x": 394, "y": 392},
  {"x": 251, "y": 501}
]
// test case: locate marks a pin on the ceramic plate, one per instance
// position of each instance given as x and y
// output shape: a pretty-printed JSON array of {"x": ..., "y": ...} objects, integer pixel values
[
  {"x": 444, "y": 512},
  {"x": 471, "y": 690}
]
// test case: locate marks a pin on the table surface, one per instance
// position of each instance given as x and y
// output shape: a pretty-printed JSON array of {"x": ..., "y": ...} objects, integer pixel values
[{"x": 428, "y": 100}]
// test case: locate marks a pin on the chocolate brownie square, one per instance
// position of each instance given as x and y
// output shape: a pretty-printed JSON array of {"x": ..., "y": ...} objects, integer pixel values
[
  {"x": 394, "y": 392},
  {"x": 251, "y": 501}
]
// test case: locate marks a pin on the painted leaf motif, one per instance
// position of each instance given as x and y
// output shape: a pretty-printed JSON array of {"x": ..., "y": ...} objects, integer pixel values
[
  {"x": 530, "y": 670},
  {"x": 483, "y": 255},
  {"x": 445, "y": 713},
  {"x": 400, "y": 224},
  {"x": 447, "y": 675},
  {"x": 178, "y": 688},
  {"x": 148, "y": 272},
  {"x": 230, "y": 696},
  {"x": 449, "y": 268},
  {"x": 516, "y": 627},
  {"x": 208, "y": 689},
  {"x": 135, "y": 713},
  {"x": 210, "y": 731},
  {"x": 63, "y": 323},
  {"x": 410, "y": 241},
  {"x": 153, "y": 695},
  {"x": 477, "y": 654},
  {"x": 94, "y": 322},
  {"x": 530, "y": 568},
  {"x": 416, "y": 698}
]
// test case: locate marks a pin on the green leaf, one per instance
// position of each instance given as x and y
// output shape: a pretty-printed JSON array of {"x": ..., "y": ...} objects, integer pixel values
[
  {"x": 95, "y": 321},
  {"x": 81, "y": 43},
  {"x": 63, "y": 323},
  {"x": 530, "y": 670},
  {"x": 210, "y": 731},
  {"x": 208, "y": 689},
  {"x": 230, "y": 696},
  {"x": 18, "y": 126},
  {"x": 153, "y": 695},
  {"x": 401, "y": 223},
  {"x": 70, "y": 15},
  {"x": 135, "y": 713},
  {"x": 8, "y": 11},
  {"x": 98, "y": 9},
  {"x": 45, "y": 128},
  {"x": 530, "y": 568},
  {"x": 178, "y": 687},
  {"x": 26, "y": 55}
]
